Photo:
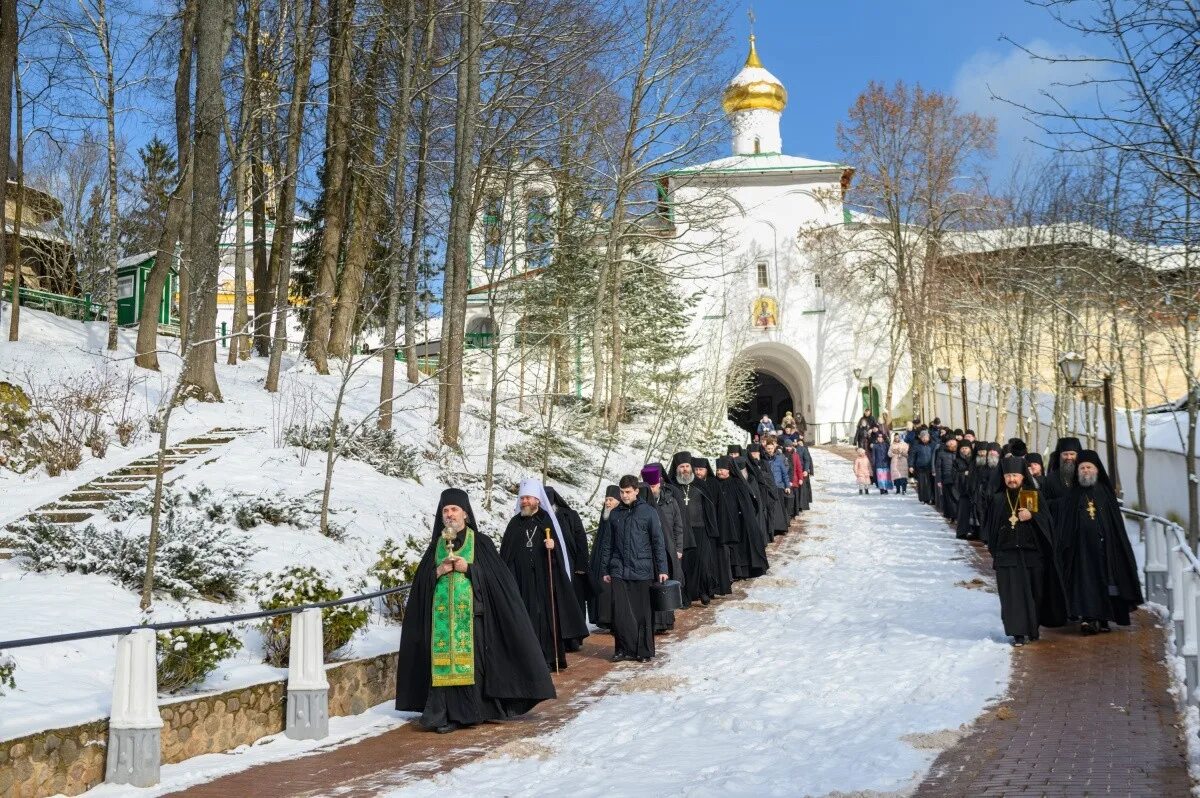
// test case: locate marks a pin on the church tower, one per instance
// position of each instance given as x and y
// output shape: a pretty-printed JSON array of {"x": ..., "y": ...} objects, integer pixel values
[{"x": 754, "y": 102}]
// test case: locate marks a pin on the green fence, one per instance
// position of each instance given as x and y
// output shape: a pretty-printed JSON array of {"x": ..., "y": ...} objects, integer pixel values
[{"x": 71, "y": 307}]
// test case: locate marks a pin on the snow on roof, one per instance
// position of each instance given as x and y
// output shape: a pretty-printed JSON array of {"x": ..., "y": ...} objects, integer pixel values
[
  {"x": 37, "y": 233},
  {"x": 1158, "y": 258},
  {"x": 133, "y": 260},
  {"x": 770, "y": 162}
]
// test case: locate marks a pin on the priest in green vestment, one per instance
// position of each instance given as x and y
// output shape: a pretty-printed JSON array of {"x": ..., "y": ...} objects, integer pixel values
[{"x": 468, "y": 652}]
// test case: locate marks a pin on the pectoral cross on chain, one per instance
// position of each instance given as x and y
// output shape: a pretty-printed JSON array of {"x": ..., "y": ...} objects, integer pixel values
[
  {"x": 687, "y": 496},
  {"x": 1091, "y": 508}
]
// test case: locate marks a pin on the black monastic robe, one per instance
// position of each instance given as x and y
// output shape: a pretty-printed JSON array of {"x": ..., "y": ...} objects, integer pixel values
[{"x": 523, "y": 549}]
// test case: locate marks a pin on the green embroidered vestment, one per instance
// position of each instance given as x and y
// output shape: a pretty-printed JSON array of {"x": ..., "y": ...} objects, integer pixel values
[{"x": 454, "y": 621}]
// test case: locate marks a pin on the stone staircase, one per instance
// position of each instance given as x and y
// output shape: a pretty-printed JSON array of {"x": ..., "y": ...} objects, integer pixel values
[{"x": 90, "y": 498}]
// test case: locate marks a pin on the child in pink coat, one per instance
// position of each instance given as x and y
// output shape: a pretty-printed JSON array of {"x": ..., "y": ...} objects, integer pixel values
[{"x": 862, "y": 471}]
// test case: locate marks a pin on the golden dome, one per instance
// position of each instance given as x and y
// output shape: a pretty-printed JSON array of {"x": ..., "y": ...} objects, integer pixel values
[{"x": 754, "y": 87}]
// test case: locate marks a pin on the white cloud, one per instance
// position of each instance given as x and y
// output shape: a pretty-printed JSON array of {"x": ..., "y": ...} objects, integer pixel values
[{"x": 994, "y": 83}]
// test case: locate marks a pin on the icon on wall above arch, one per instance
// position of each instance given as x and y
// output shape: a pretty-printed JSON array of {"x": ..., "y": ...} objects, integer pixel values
[{"x": 764, "y": 313}]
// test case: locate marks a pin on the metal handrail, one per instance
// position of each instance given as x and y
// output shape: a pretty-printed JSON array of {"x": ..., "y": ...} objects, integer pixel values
[
  {"x": 1181, "y": 543},
  {"x": 117, "y": 631}
]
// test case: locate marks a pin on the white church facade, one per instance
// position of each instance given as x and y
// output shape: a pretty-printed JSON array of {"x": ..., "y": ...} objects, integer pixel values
[{"x": 733, "y": 241}]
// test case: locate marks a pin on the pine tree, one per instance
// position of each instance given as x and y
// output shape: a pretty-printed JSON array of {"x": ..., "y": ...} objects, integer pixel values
[{"x": 153, "y": 186}]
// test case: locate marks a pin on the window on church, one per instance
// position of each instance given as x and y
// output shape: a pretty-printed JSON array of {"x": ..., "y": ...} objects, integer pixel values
[
  {"x": 757, "y": 145},
  {"x": 816, "y": 281},
  {"x": 537, "y": 232},
  {"x": 763, "y": 276}
]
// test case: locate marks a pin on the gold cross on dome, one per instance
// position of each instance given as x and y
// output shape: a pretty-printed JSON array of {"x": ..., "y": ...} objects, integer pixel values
[{"x": 750, "y": 15}]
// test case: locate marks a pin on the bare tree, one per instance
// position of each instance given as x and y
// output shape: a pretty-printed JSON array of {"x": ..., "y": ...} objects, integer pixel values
[{"x": 199, "y": 377}]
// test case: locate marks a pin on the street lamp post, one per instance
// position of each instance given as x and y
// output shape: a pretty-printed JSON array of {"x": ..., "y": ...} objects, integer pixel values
[
  {"x": 1072, "y": 367},
  {"x": 964, "y": 401},
  {"x": 943, "y": 374}
]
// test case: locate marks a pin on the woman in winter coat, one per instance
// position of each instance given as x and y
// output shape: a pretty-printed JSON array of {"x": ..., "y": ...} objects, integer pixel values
[
  {"x": 862, "y": 471},
  {"x": 898, "y": 452},
  {"x": 881, "y": 463}
]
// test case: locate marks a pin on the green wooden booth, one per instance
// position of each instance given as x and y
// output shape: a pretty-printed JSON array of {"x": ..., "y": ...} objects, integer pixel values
[{"x": 132, "y": 275}]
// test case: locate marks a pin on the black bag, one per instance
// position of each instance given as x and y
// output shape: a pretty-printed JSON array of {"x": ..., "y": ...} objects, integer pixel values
[{"x": 665, "y": 596}]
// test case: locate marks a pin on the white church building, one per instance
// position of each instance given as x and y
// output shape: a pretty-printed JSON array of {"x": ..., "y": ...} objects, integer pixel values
[{"x": 734, "y": 241}]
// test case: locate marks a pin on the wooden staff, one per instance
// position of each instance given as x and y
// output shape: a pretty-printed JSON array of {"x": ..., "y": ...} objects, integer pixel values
[{"x": 553, "y": 606}]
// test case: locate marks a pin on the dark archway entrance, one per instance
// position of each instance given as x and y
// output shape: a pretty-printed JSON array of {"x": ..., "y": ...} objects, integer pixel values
[{"x": 770, "y": 397}]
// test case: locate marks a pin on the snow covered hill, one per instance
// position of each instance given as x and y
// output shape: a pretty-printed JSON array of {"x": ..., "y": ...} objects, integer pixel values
[{"x": 69, "y": 683}]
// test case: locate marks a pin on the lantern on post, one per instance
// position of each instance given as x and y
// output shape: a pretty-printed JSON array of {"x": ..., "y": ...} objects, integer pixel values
[{"x": 1072, "y": 366}]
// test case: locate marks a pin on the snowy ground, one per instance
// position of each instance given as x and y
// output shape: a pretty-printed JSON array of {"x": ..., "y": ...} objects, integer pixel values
[
  {"x": 64, "y": 684},
  {"x": 825, "y": 677},
  {"x": 846, "y": 669}
]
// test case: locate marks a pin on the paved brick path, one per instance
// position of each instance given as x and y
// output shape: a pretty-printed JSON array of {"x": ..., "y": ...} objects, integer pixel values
[
  {"x": 1084, "y": 717},
  {"x": 373, "y": 765}
]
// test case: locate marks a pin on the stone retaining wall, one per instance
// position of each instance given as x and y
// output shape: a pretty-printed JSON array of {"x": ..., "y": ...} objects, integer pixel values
[{"x": 71, "y": 760}]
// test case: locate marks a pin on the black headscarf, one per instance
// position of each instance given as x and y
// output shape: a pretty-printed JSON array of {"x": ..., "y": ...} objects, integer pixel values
[
  {"x": 1064, "y": 445},
  {"x": 1093, "y": 457},
  {"x": 1012, "y": 464},
  {"x": 734, "y": 450},
  {"x": 701, "y": 462},
  {"x": 453, "y": 497},
  {"x": 677, "y": 460}
]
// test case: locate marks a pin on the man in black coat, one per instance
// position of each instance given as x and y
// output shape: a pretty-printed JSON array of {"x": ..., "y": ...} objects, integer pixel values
[
  {"x": 706, "y": 568},
  {"x": 497, "y": 671},
  {"x": 600, "y": 604},
  {"x": 947, "y": 478},
  {"x": 1061, "y": 468},
  {"x": 633, "y": 557},
  {"x": 920, "y": 465},
  {"x": 1022, "y": 547},
  {"x": 1094, "y": 553},
  {"x": 662, "y": 498},
  {"x": 534, "y": 548}
]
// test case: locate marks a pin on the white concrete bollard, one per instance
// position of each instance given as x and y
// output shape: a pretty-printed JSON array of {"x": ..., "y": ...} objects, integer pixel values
[
  {"x": 1173, "y": 572},
  {"x": 308, "y": 689},
  {"x": 1156, "y": 561},
  {"x": 135, "y": 727},
  {"x": 1191, "y": 588},
  {"x": 1179, "y": 569}
]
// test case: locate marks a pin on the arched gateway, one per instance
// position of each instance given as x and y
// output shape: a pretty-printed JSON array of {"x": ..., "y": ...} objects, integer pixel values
[{"x": 782, "y": 382}]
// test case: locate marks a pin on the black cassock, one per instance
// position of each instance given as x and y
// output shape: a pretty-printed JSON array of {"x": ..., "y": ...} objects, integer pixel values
[
  {"x": 982, "y": 491},
  {"x": 1027, "y": 578},
  {"x": 599, "y": 605},
  {"x": 962, "y": 480},
  {"x": 738, "y": 523},
  {"x": 577, "y": 549},
  {"x": 775, "y": 520},
  {"x": 523, "y": 549},
  {"x": 511, "y": 676},
  {"x": 806, "y": 488},
  {"x": 702, "y": 564},
  {"x": 1098, "y": 567}
]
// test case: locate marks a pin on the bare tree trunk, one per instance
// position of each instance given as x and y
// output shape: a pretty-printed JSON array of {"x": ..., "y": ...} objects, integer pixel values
[
  {"x": 146, "y": 351},
  {"x": 399, "y": 137},
  {"x": 459, "y": 265},
  {"x": 9, "y": 35},
  {"x": 237, "y": 339},
  {"x": 199, "y": 377},
  {"x": 364, "y": 219},
  {"x": 281, "y": 245},
  {"x": 416, "y": 243},
  {"x": 263, "y": 296},
  {"x": 14, "y": 320},
  {"x": 337, "y": 140},
  {"x": 110, "y": 120}
]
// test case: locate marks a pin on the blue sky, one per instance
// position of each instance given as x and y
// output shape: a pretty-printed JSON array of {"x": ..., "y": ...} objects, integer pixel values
[{"x": 826, "y": 52}]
